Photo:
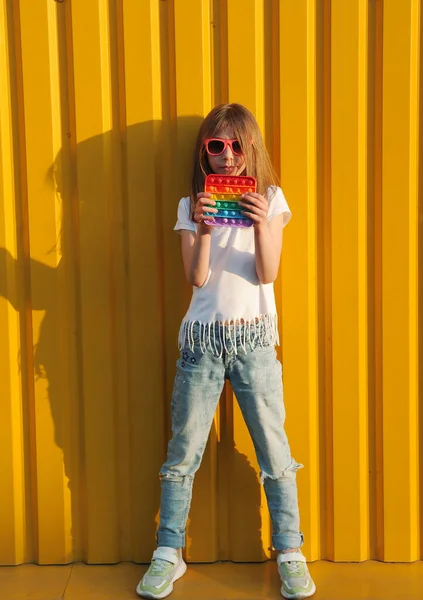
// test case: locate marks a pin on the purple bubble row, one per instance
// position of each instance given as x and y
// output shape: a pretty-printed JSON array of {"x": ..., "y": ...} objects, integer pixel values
[{"x": 228, "y": 222}]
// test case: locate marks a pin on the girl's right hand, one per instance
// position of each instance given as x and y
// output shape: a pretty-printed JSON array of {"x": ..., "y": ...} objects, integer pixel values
[{"x": 204, "y": 205}]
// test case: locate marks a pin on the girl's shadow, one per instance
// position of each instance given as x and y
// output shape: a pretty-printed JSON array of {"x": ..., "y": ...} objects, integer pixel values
[{"x": 104, "y": 353}]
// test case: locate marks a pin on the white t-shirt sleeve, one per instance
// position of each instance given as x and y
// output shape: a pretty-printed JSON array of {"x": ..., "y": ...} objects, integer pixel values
[
  {"x": 184, "y": 220},
  {"x": 278, "y": 205}
]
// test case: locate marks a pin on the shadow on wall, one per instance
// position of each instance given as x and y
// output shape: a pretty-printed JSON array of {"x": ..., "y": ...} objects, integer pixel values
[{"x": 108, "y": 340}]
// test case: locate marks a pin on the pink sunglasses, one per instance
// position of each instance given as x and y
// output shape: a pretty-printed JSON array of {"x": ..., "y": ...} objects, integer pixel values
[{"x": 216, "y": 146}]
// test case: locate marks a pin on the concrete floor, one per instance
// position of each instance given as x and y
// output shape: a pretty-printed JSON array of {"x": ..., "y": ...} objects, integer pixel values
[{"x": 219, "y": 581}]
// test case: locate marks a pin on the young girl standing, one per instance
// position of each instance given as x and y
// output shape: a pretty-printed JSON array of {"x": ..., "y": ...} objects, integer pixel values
[{"x": 230, "y": 332}]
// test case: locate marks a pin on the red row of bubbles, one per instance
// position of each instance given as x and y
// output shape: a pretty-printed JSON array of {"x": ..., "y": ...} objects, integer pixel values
[{"x": 231, "y": 180}]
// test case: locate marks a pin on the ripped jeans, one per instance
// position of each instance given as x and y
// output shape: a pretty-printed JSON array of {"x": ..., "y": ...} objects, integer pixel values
[{"x": 256, "y": 378}]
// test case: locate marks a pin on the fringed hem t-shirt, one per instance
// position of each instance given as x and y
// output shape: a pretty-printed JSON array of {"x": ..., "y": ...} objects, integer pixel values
[{"x": 232, "y": 295}]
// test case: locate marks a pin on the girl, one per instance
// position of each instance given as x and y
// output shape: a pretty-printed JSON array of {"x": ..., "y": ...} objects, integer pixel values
[{"x": 229, "y": 332}]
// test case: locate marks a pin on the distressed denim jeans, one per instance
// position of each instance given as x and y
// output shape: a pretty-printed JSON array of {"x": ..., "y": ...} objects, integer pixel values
[{"x": 256, "y": 378}]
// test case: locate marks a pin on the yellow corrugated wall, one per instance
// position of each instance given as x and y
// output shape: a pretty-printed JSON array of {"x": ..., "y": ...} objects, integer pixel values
[{"x": 100, "y": 102}]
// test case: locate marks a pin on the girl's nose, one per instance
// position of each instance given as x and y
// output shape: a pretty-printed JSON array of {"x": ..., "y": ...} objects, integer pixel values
[{"x": 227, "y": 153}]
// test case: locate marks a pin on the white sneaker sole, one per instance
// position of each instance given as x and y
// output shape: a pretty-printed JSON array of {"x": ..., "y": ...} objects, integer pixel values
[
  {"x": 182, "y": 567},
  {"x": 299, "y": 596}
]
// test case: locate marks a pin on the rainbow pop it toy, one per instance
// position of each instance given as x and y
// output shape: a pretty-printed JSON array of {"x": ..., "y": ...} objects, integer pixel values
[{"x": 226, "y": 191}]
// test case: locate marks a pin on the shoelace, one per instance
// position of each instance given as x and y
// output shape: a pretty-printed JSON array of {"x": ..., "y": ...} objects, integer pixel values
[
  {"x": 294, "y": 567},
  {"x": 158, "y": 566}
]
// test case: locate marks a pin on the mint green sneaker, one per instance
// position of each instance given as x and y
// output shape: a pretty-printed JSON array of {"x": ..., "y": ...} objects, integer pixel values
[
  {"x": 296, "y": 579},
  {"x": 167, "y": 565}
]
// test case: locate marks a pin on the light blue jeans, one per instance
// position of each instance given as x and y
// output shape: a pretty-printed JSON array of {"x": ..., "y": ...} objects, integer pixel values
[{"x": 256, "y": 378}]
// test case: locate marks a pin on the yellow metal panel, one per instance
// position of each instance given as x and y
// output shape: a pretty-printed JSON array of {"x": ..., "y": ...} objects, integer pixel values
[
  {"x": 142, "y": 136},
  {"x": 349, "y": 279},
  {"x": 100, "y": 104},
  {"x": 375, "y": 132},
  {"x": 42, "y": 142},
  {"x": 401, "y": 40},
  {"x": 299, "y": 269},
  {"x": 245, "y": 55},
  {"x": 12, "y": 498},
  {"x": 94, "y": 245},
  {"x": 118, "y": 285}
]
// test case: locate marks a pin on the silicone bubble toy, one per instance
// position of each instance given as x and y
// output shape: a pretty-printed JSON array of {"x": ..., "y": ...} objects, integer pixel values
[{"x": 226, "y": 191}]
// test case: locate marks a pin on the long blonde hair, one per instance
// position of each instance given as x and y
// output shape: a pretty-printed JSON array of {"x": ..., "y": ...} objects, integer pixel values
[{"x": 245, "y": 128}]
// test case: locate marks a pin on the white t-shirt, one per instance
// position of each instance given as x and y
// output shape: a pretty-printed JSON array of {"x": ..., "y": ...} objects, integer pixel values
[{"x": 232, "y": 292}]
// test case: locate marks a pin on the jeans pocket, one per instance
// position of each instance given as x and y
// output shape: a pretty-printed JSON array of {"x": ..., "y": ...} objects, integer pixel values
[{"x": 187, "y": 358}]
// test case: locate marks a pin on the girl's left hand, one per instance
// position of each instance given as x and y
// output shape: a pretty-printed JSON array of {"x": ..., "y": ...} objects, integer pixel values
[{"x": 257, "y": 206}]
